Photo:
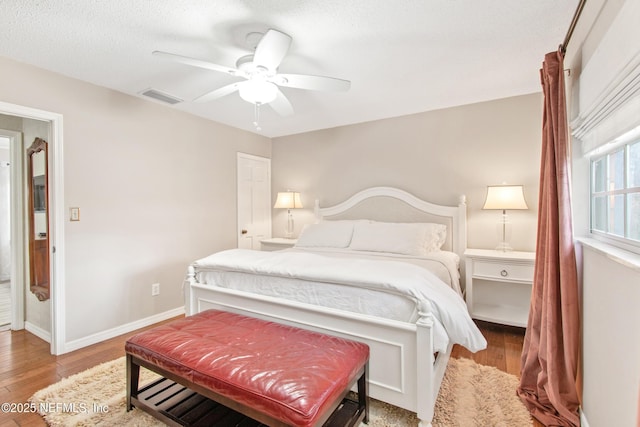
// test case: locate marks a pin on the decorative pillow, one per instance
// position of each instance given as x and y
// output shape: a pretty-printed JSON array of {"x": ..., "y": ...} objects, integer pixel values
[
  {"x": 327, "y": 234},
  {"x": 399, "y": 238},
  {"x": 435, "y": 236}
]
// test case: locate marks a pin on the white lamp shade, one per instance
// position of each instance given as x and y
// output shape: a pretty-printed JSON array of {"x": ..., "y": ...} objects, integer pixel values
[
  {"x": 288, "y": 200},
  {"x": 258, "y": 91},
  {"x": 505, "y": 197}
]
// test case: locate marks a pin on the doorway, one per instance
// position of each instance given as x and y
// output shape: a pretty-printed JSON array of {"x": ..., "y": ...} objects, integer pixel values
[
  {"x": 5, "y": 233},
  {"x": 55, "y": 334}
]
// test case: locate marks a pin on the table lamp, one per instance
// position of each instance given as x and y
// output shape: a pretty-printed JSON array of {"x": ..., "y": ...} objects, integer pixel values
[
  {"x": 505, "y": 197},
  {"x": 288, "y": 200}
]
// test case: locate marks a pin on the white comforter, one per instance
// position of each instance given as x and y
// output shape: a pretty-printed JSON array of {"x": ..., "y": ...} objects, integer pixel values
[{"x": 452, "y": 319}]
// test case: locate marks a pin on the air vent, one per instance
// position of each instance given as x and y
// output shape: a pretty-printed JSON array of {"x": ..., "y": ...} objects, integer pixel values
[{"x": 161, "y": 96}]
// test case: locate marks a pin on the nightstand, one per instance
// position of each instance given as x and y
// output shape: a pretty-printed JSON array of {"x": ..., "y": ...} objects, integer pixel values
[
  {"x": 498, "y": 285},
  {"x": 277, "y": 243}
]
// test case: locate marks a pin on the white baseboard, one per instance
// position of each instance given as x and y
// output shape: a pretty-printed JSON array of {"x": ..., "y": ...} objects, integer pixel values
[
  {"x": 38, "y": 331},
  {"x": 120, "y": 330},
  {"x": 583, "y": 419}
]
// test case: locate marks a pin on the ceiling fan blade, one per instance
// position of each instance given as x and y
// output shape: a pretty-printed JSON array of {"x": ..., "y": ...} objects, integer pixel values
[
  {"x": 271, "y": 49},
  {"x": 302, "y": 81},
  {"x": 281, "y": 105},
  {"x": 219, "y": 93},
  {"x": 196, "y": 62}
]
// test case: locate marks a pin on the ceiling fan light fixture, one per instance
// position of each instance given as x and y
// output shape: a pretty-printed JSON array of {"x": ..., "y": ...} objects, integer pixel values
[
  {"x": 258, "y": 91},
  {"x": 259, "y": 71}
]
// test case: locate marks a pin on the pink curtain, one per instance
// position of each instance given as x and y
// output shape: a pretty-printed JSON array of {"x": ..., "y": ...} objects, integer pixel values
[{"x": 548, "y": 383}]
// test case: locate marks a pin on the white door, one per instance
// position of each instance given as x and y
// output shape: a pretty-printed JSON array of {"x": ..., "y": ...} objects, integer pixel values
[{"x": 254, "y": 200}]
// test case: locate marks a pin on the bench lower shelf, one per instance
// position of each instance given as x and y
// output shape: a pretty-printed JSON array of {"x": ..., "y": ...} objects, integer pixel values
[{"x": 177, "y": 405}]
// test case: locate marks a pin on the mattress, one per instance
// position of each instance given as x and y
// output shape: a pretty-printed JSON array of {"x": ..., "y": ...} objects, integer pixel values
[{"x": 388, "y": 286}]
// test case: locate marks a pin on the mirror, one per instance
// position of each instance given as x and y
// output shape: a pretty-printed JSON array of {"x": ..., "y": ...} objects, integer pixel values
[{"x": 38, "y": 219}]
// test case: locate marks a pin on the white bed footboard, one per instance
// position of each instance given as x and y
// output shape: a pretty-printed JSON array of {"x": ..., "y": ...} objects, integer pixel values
[{"x": 403, "y": 369}]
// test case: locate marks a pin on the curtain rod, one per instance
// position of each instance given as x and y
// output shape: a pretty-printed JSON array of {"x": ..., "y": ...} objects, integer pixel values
[{"x": 572, "y": 26}]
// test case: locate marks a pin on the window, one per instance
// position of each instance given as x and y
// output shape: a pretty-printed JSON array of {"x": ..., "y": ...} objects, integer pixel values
[{"x": 615, "y": 194}]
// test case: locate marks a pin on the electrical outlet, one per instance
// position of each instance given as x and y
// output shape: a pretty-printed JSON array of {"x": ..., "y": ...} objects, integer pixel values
[{"x": 155, "y": 289}]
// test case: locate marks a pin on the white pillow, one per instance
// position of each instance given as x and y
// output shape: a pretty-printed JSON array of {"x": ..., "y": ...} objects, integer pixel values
[
  {"x": 327, "y": 234},
  {"x": 399, "y": 238}
]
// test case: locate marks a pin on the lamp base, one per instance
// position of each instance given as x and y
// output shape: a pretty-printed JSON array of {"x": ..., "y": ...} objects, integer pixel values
[
  {"x": 504, "y": 247},
  {"x": 290, "y": 226},
  {"x": 504, "y": 231}
]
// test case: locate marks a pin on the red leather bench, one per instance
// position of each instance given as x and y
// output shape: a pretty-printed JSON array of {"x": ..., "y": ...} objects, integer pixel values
[{"x": 217, "y": 364}]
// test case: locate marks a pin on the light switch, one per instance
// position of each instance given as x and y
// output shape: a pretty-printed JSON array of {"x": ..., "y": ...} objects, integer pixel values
[{"x": 74, "y": 214}]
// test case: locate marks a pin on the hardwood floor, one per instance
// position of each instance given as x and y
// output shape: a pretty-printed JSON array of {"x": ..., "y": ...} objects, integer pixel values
[
  {"x": 26, "y": 365},
  {"x": 504, "y": 347}
]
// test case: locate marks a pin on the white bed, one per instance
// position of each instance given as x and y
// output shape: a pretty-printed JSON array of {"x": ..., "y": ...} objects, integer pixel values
[{"x": 363, "y": 272}]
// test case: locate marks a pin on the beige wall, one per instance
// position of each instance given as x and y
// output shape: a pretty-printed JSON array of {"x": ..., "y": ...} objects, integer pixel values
[
  {"x": 610, "y": 343},
  {"x": 155, "y": 187},
  {"x": 435, "y": 155}
]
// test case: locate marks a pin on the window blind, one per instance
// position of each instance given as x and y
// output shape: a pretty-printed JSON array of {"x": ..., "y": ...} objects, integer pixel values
[{"x": 609, "y": 85}]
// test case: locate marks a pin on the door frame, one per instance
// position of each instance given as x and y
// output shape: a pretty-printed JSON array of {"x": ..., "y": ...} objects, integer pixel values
[{"x": 56, "y": 217}]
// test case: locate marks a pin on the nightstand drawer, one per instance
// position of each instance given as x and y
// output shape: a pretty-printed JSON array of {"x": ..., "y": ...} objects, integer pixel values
[{"x": 503, "y": 271}]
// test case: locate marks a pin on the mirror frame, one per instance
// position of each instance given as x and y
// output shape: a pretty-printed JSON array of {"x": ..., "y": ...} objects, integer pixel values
[{"x": 39, "y": 277}]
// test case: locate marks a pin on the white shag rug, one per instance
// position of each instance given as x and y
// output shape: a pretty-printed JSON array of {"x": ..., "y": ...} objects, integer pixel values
[{"x": 471, "y": 395}]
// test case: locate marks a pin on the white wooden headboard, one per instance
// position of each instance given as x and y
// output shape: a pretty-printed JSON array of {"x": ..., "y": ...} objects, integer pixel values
[{"x": 394, "y": 205}]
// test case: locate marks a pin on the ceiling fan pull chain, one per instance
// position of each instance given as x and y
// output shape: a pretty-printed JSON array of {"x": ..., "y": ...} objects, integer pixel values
[{"x": 256, "y": 113}]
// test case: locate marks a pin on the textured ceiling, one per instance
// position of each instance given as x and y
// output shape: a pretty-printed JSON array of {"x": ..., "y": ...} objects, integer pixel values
[{"x": 402, "y": 56}]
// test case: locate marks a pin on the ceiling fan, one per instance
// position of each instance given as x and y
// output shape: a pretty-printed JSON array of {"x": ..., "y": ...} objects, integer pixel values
[{"x": 260, "y": 71}]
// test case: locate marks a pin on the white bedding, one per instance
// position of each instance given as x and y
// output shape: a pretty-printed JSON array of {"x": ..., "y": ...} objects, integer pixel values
[
  {"x": 443, "y": 264},
  {"x": 371, "y": 284}
]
